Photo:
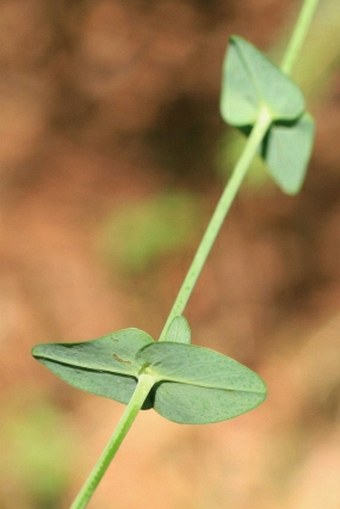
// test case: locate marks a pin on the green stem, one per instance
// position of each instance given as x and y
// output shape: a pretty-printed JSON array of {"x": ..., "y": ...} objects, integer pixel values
[
  {"x": 297, "y": 39},
  {"x": 145, "y": 383},
  {"x": 258, "y": 132}
]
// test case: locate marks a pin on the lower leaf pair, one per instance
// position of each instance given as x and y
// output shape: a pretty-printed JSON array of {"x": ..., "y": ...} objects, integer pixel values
[{"x": 192, "y": 384}]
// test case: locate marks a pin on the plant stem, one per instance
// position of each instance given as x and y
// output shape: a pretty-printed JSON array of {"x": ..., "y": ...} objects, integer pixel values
[
  {"x": 257, "y": 134},
  {"x": 299, "y": 34},
  {"x": 145, "y": 383}
]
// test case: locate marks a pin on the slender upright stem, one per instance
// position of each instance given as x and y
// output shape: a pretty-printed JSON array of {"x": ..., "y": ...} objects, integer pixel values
[
  {"x": 258, "y": 132},
  {"x": 298, "y": 37},
  {"x": 145, "y": 383}
]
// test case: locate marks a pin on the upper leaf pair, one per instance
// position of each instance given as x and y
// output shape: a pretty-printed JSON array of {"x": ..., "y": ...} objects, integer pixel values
[
  {"x": 251, "y": 82},
  {"x": 191, "y": 384}
]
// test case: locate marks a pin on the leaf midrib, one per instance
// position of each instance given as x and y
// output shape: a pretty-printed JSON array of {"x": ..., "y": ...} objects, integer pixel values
[
  {"x": 159, "y": 377},
  {"x": 206, "y": 386},
  {"x": 103, "y": 369}
]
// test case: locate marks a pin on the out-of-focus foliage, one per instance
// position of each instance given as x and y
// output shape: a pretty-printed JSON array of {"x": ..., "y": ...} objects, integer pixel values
[
  {"x": 35, "y": 455},
  {"x": 139, "y": 234},
  {"x": 321, "y": 52}
]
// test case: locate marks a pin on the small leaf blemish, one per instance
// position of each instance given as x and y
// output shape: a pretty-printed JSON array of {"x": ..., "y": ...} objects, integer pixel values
[{"x": 119, "y": 359}]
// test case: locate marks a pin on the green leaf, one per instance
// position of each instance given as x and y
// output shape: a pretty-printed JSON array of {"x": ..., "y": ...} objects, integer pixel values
[
  {"x": 251, "y": 81},
  {"x": 105, "y": 366},
  {"x": 192, "y": 384},
  {"x": 179, "y": 330},
  {"x": 287, "y": 151},
  {"x": 197, "y": 385}
]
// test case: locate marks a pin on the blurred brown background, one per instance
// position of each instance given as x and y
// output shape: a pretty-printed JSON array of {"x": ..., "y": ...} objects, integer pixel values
[{"x": 112, "y": 156}]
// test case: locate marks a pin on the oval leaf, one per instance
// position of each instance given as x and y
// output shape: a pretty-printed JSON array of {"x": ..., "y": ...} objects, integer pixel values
[
  {"x": 197, "y": 385},
  {"x": 250, "y": 81},
  {"x": 188, "y": 404},
  {"x": 179, "y": 331},
  {"x": 287, "y": 151},
  {"x": 105, "y": 366}
]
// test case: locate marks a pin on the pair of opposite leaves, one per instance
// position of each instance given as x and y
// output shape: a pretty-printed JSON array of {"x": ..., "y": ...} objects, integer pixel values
[
  {"x": 250, "y": 82},
  {"x": 195, "y": 384},
  {"x": 192, "y": 384}
]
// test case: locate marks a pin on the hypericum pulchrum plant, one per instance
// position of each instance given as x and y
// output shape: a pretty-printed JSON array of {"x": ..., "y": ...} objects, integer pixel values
[{"x": 183, "y": 382}]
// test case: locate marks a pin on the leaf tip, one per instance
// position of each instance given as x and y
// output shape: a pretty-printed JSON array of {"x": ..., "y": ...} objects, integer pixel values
[
  {"x": 179, "y": 330},
  {"x": 36, "y": 351}
]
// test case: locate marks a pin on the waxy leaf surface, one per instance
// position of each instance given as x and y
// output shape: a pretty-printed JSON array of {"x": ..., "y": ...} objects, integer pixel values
[
  {"x": 198, "y": 385},
  {"x": 287, "y": 151},
  {"x": 250, "y": 81},
  {"x": 105, "y": 366},
  {"x": 179, "y": 331},
  {"x": 192, "y": 384}
]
